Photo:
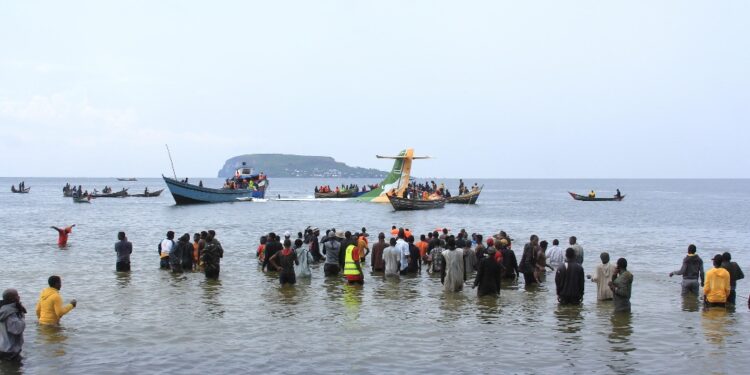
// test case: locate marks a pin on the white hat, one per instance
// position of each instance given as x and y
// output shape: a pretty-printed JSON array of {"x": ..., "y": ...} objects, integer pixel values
[{"x": 287, "y": 234}]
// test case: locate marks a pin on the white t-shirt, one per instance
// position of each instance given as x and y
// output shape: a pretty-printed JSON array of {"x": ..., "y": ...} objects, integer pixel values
[{"x": 166, "y": 247}]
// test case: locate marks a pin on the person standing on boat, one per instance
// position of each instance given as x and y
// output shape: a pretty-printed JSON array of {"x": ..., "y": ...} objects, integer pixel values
[
  {"x": 618, "y": 195},
  {"x": 62, "y": 234},
  {"x": 165, "y": 247},
  {"x": 212, "y": 254},
  {"x": 691, "y": 271},
  {"x": 569, "y": 280},
  {"x": 621, "y": 286},
  {"x": 123, "y": 248},
  {"x": 578, "y": 249},
  {"x": 602, "y": 277}
]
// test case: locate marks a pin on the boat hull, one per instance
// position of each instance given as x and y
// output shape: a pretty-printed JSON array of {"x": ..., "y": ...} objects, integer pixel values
[
  {"x": 149, "y": 195},
  {"x": 585, "y": 198},
  {"x": 24, "y": 191},
  {"x": 470, "y": 198},
  {"x": 333, "y": 194},
  {"x": 402, "y": 204},
  {"x": 184, "y": 193}
]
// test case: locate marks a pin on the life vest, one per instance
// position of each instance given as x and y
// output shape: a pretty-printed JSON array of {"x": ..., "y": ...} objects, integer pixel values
[{"x": 350, "y": 268}]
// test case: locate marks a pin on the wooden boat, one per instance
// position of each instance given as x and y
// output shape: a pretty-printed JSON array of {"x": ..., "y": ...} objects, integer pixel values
[
  {"x": 185, "y": 193},
  {"x": 403, "y": 204},
  {"x": 120, "y": 194},
  {"x": 579, "y": 197},
  {"x": 333, "y": 194},
  {"x": 85, "y": 199},
  {"x": 468, "y": 198},
  {"x": 17, "y": 191},
  {"x": 149, "y": 194},
  {"x": 127, "y": 179}
]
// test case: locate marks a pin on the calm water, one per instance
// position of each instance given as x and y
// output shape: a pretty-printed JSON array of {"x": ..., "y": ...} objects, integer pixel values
[{"x": 151, "y": 321}]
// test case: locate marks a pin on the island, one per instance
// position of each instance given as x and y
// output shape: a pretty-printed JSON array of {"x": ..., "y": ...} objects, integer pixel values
[{"x": 283, "y": 165}]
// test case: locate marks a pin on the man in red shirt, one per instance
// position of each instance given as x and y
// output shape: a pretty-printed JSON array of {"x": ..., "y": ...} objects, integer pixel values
[{"x": 62, "y": 234}]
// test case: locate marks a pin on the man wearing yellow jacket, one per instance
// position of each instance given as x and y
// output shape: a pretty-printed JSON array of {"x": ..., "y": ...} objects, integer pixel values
[
  {"x": 717, "y": 286},
  {"x": 50, "y": 307}
]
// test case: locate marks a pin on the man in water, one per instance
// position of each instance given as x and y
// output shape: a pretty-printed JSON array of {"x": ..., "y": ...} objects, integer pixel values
[
  {"x": 621, "y": 286},
  {"x": 62, "y": 234},
  {"x": 50, "y": 308},
  {"x": 735, "y": 273},
  {"x": 377, "y": 262},
  {"x": 578, "y": 249},
  {"x": 212, "y": 254},
  {"x": 352, "y": 265},
  {"x": 569, "y": 280},
  {"x": 602, "y": 277},
  {"x": 403, "y": 249},
  {"x": 717, "y": 287},
  {"x": 165, "y": 247},
  {"x": 488, "y": 275},
  {"x": 510, "y": 264},
  {"x": 12, "y": 325},
  {"x": 123, "y": 249},
  {"x": 528, "y": 260},
  {"x": 332, "y": 250},
  {"x": 691, "y": 271},
  {"x": 555, "y": 255}
]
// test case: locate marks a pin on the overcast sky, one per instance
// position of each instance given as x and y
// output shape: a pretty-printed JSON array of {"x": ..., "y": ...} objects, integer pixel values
[{"x": 489, "y": 88}]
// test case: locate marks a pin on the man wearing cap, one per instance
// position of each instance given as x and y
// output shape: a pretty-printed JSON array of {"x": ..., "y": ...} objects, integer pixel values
[
  {"x": 716, "y": 289},
  {"x": 332, "y": 250}
]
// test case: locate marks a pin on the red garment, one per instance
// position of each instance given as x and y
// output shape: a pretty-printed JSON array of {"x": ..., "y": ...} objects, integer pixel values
[
  {"x": 498, "y": 256},
  {"x": 62, "y": 238}
]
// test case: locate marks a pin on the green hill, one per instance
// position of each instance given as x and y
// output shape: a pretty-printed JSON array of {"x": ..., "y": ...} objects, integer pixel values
[{"x": 281, "y": 165}]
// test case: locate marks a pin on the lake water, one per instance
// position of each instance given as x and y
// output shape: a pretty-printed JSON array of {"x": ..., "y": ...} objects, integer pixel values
[{"x": 150, "y": 321}]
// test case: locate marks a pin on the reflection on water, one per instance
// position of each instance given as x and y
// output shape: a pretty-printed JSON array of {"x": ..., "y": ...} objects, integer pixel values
[
  {"x": 211, "y": 292},
  {"x": 53, "y": 337},
  {"x": 489, "y": 310},
  {"x": 619, "y": 339},
  {"x": 352, "y": 302},
  {"x": 569, "y": 320},
  {"x": 122, "y": 279},
  {"x": 690, "y": 303}
]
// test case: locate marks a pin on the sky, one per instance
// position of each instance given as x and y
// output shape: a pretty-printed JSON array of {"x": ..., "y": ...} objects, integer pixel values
[{"x": 489, "y": 89}]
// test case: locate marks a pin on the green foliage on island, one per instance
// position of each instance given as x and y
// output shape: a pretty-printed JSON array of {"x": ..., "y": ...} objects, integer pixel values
[{"x": 281, "y": 165}]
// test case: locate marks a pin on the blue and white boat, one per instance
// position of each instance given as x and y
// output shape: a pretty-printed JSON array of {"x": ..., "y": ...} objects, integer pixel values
[{"x": 244, "y": 186}]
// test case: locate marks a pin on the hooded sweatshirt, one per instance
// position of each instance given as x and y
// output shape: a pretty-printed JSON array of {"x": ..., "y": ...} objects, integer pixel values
[
  {"x": 12, "y": 325},
  {"x": 50, "y": 307},
  {"x": 692, "y": 268}
]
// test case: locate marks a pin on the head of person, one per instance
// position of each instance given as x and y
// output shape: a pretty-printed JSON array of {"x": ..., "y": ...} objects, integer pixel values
[
  {"x": 392, "y": 241},
  {"x": 490, "y": 242},
  {"x": 271, "y": 237},
  {"x": 348, "y": 235},
  {"x": 401, "y": 233},
  {"x": 55, "y": 282},
  {"x": 196, "y": 237},
  {"x": 451, "y": 242},
  {"x": 297, "y": 243},
  {"x": 170, "y": 235},
  {"x": 287, "y": 234},
  {"x": 210, "y": 236},
  {"x": 570, "y": 254},
  {"x": 364, "y": 231},
  {"x": 543, "y": 245},
  {"x": 185, "y": 237},
  {"x": 534, "y": 239},
  {"x": 11, "y": 296},
  {"x": 381, "y": 236},
  {"x": 726, "y": 257},
  {"x": 692, "y": 249},
  {"x": 212, "y": 233},
  {"x": 445, "y": 231},
  {"x": 604, "y": 256},
  {"x": 622, "y": 264},
  {"x": 555, "y": 242},
  {"x": 121, "y": 236},
  {"x": 204, "y": 235},
  {"x": 287, "y": 243},
  {"x": 435, "y": 234},
  {"x": 429, "y": 235},
  {"x": 263, "y": 240},
  {"x": 422, "y": 237},
  {"x": 572, "y": 240},
  {"x": 717, "y": 260},
  {"x": 503, "y": 244},
  {"x": 410, "y": 239},
  {"x": 479, "y": 238},
  {"x": 393, "y": 227}
]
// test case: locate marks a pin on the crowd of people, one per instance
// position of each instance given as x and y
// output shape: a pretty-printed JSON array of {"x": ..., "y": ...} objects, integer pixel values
[
  {"x": 455, "y": 259},
  {"x": 431, "y": 190},
  {"x": 345, "y": 188}
]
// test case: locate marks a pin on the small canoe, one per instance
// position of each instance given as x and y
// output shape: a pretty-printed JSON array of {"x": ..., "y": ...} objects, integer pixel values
[
  {"x": 149, "y": 194},
  {"x": 24, "y": 191},
  {"x": 127, "y": 179},
  {"x": 468, "y": 198},
  {"x": 333, "y": 194},
  {"x": 120, "y": 194},
  {"x": 579, "y": 197},
  {"x": 81, "y": 200},
  {"x": 403, "y": 204}
]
